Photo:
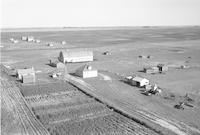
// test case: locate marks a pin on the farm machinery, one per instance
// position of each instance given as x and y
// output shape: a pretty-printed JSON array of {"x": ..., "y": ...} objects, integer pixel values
[{"x": 152, "y": 90}]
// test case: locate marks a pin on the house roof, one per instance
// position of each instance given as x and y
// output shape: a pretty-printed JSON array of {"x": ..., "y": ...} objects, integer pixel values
[
  {"x": 25, "y": 71},
  {"x": 151, "y": 68},
  {"x": 138, "y": 79},
  {"x": 85, "y": 67},
  {"x": 77, "y": 53}
]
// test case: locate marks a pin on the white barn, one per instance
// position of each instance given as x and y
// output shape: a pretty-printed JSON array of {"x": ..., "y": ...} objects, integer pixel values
[
  {"x": 139, "y": 81},
  {"x": 86, "y": 71},
  {"x": 76, "y": 56}
]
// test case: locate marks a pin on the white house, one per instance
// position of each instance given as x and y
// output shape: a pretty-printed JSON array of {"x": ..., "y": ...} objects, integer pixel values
[
  {"x": 75, "y": 56},
  {"x": 139, "y": 81},
  {"x": 86, "y": 71}
]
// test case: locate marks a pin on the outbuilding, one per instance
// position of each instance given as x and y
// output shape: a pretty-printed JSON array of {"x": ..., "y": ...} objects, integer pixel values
[
  {"x": 162, "y": 67},
  {"x": 24, "y": 38},
  {"x": 26, "y": 75},
  {"x": 86, "y": 71},
  {"x": 76, "y": 56},
  {"x": 57, "y": 64},
  {"x": 63, "y": 42},
  {"x": 151, "y": 70},
  {"x": 139, "y": 81},
  {"x": 30, "y": 39},
  {"x": 50, "y": 44},
  {"x": 28, "y": 78}
]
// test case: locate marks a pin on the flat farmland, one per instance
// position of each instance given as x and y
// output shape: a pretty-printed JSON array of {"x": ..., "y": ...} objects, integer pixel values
[
  {"x": 61, "y": 106},
  {"x": 72, "y": 112}
]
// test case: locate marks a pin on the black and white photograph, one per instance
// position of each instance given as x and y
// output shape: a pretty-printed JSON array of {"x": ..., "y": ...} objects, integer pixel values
[{"x": 100, "y": 67}]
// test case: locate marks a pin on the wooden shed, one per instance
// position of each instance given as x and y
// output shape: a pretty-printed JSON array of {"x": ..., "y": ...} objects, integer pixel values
[
  {"x": 162, "y": 67},
  {"x": 139, "y": 81}
]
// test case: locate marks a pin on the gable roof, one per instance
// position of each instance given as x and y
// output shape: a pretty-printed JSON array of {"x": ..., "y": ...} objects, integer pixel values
[
  {"x": 139, "y": 79},
  {"x": 25, "y": 71},
  {"x": 85, "y": 67},
  {"x": 76, "y": 53}
]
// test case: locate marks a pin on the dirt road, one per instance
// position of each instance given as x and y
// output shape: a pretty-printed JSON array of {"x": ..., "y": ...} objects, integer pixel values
[{"x": 115, "y": 98}]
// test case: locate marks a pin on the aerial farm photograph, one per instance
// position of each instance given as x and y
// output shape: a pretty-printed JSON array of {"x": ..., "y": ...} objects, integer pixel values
[{"x": 100, "y": 67}]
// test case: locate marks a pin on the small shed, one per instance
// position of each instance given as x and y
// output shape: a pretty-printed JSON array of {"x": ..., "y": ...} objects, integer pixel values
[
  {"x": 15, "y": 41},
  {"x": 50, "y": 44},
  {"x": 37, "y": 41},
  {"x": 86, "y": 71},
  {"x": 24, "y": 38},
  {"x": 57, "y": 64},
  {"x": 151, "y": 70},
  {"x": 162, "y": 67},
  {"x": 107, "y": 53},
  {"x": 30, "y": 78},
  {"x": 23, "y": 72},
  {"x": 139, "y": 81},
  {"x": 30, "y": 39},
  {"x": 63, "y": 42}
]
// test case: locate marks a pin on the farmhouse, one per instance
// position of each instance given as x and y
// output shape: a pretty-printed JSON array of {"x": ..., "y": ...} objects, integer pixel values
[
  {"x": 162, "y": 67},
  {"x": 151, "y": 70},
  {"x": 75, "y": 56},
  {"x": 139, "y": 81},
  {"x": 86, "y": 71},
  {"x": 27, "y": 71}
]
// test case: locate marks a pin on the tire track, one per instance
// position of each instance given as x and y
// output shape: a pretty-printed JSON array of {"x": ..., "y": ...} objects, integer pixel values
[{"x": 29, "y": 122}]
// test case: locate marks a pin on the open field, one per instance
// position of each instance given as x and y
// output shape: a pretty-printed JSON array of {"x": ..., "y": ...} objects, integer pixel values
[
  {"x": 72, "y": 112},
  {"x": 173, "y": 46}
]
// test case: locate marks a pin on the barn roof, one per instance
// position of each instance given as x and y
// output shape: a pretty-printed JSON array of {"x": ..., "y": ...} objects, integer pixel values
[
  {"x": 25, "y": 71},
  {"x": 85, "y": 67},
  {"x": 77, "y": 53}
]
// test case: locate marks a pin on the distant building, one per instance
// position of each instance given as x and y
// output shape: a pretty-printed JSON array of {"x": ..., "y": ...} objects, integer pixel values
[
  {"x": 24, "y": 38},
  {"x": 63, "y": 42},
  {"x": 86, "y": 71},
  {"x": 12, "y": 39},
  {"x": 37, "y": 41},
  {"x": 30, "y": 39},
  {"x": 75, "y": 56},
  {"x": 139, "y": 81},
  {"x": 15, "y": 41},
  {"x": 162, "y": 67},
  {"x": 57, "y": 64},
  {"x": 107, "y": 53},
  {"x": 151, "y": 70},
  {"x": 26, "y": 75},
  {"x": 50, "y": 44}
]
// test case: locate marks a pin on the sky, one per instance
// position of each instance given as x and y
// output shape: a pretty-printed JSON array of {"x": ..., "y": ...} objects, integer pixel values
[{"x": 91, "y": 13}]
